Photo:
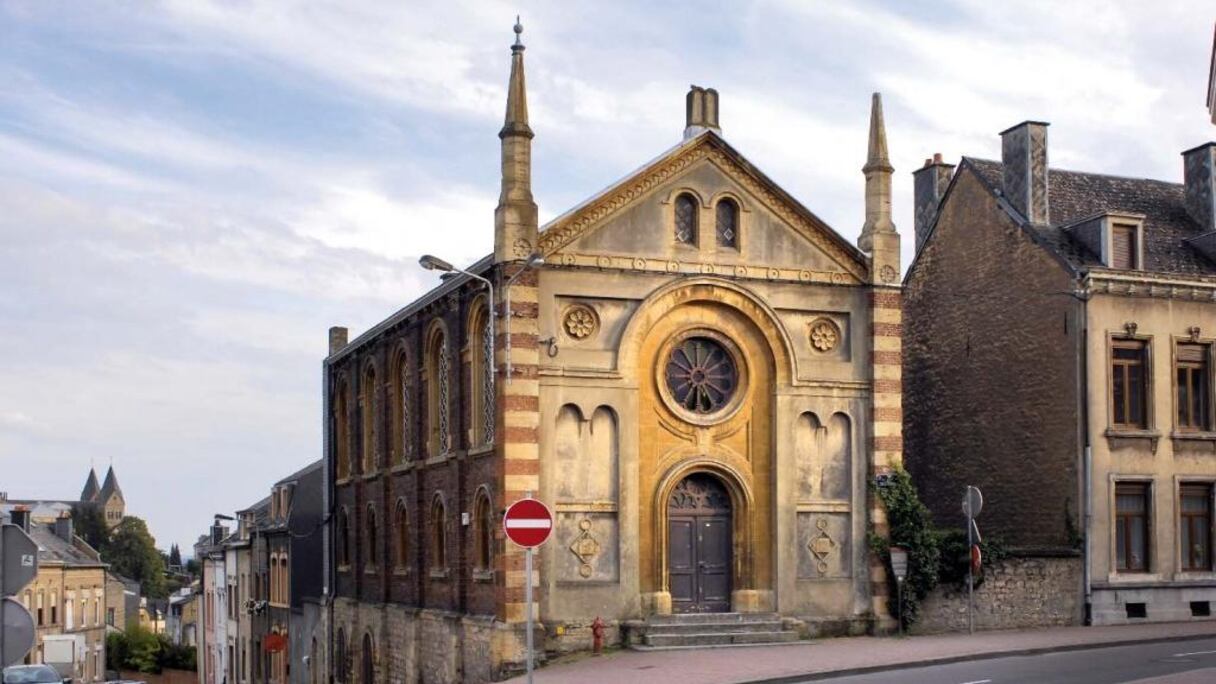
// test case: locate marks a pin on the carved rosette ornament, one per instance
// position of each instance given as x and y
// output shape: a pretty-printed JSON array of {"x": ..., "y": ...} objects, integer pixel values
[
  {"x": 521, "y": 248},
  {"x": 580, "y": 322},
  {"x": 888, "y": 273},
  {"x": 824, "y": 335},
  {"x": 585, "y": 548}
]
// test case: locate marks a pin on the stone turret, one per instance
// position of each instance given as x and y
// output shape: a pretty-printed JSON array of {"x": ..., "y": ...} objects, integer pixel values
[
  {"x": 878, "y": 234},
  {"x": 515, "y": 218}
]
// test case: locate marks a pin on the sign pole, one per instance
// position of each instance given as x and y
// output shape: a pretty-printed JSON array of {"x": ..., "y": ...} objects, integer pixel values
[
  {"x": 528, "y": 601},
  {"x": 970, "y": 580},
  {"x": 899, "y": 584},
  {"x": 3, "y": 660}
]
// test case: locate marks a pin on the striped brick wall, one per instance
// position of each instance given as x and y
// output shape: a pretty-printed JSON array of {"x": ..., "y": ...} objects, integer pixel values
[
  {"x": 518, "y": 430},
  {"x": 886, "y": 434}
]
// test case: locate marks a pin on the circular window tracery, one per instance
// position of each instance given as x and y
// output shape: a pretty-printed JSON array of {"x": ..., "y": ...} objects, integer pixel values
[{"x": 701, "y": 375}]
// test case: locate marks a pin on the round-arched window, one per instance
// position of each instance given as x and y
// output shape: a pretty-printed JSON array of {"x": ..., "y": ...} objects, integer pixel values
[{"x": 701, "y": 375}]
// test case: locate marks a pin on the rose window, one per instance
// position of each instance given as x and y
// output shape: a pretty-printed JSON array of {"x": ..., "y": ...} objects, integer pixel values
[{"x": 701, "y": 375}]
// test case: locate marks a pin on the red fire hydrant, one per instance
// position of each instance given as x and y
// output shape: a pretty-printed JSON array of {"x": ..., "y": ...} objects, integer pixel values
[{"x": 597, "y": 636}]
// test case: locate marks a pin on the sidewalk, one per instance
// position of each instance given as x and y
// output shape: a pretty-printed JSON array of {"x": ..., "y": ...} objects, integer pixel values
[{"x": 761, "y": 663}]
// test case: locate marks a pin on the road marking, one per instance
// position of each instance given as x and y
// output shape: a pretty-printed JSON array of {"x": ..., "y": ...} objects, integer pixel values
[
  {"x": 529, "y": 524},
  {"x": 979, "y": 681},
  {"x": 1183, "y": 655}
]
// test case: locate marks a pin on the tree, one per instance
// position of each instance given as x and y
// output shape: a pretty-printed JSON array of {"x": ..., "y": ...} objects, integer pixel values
[
  {"x": 132, "y": 552},
  {"x": 175, "y": 557},
  {"x": 90, "y": 525}
]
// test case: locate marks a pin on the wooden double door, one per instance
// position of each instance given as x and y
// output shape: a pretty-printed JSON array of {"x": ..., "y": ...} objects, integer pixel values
[{"x": 700, "y": 545}]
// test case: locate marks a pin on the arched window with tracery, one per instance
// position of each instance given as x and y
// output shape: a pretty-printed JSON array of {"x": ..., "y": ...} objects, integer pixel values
[
  {"x": 341, "y": 431},
  {"x": 686, "y": 219},
  {"x": 401, "y": 535},
  {"x": 481, "y": 375},
  {"x": 372, "y": 557},
  {"x": 439, "y": 535},
  {"x": 402, "y": 415},
  {"x": 727, "y": 215},
  {"x": 367, "y": 408},
  {"x": 343, "y": 529},
  {"x": 483, "y": 532},
  {"x": 438, "y": 364}
]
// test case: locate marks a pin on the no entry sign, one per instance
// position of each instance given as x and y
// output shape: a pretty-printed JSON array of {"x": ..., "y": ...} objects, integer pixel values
[{"x": 528, "y": 523}]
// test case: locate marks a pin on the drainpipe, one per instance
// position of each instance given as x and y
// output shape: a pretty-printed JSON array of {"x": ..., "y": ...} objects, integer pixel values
[{"x": 1087, "y": 451}]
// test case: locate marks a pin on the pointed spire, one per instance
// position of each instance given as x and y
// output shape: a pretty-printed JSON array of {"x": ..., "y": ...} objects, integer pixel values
[
  {"x": 110, "y": 486},
  {"x": 515, "y": 218},
  {"x": 516, "y": 120},
  {"x": 91, "y": 488},
  {"x": 878, "y": 172}
]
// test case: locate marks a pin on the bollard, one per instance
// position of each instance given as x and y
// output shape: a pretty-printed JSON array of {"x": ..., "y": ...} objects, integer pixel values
[{"x": 597, "y": 636}]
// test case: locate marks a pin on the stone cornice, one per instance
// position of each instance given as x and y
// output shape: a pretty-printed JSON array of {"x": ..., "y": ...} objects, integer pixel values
[{"x": 1149, "y": 285}]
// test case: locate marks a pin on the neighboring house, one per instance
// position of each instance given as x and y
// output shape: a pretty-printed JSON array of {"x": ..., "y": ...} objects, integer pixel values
[
  {"x": 213, "y": 661},
  {"x": 304, "y": 533},
  {"x": 1212, "y": 83},
  {"x": 701, "y": 379},
  {"x": 182, "y": 616},
  {"x": 122, "y": 602},
  {"x": 68, "y": 594},
  {"x": 1058, "y": 355},
  {"x": 153, "y": 614}
]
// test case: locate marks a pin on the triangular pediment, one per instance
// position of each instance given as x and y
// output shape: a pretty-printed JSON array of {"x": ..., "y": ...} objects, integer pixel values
[{"x": 630, "y": 224}]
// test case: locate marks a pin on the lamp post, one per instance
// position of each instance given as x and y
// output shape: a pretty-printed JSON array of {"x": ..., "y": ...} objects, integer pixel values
[{"x": 434, "y": 263}]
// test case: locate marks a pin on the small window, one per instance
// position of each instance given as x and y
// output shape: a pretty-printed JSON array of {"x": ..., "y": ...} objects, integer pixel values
[
  {"x": 1129, "y": 391},
  {"x": 341, "y": 659},
  {"x": 368, "y": 668},
  {"x": 401, "y": 527},
  {"x": 367, "y": 406},
  {"x": 686, "y": 219},
  {"x": 1131, "y": 526},
  {"x": 1123, "y": 247},
  {"x": 728, "y": 223},
  {"x": 1136, "y": 610},
  {"x": 1201, "y": 609},
  {"x": 341, "y": 434},
  {"x": 372, "y": 557},
  {"x": 1191, "y": 373},
  {"x": 439, "y": 535},
  {"x": 1195, "y": 527},
  {"x": 483, "y": 532},
  {"x": 343, "y": 538}
]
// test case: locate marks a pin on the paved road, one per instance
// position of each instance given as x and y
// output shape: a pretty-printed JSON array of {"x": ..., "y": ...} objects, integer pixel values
[{"x": 1133, "y": 663}]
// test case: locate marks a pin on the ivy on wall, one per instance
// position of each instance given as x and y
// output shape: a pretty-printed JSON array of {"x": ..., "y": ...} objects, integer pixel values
[{"x": 910, "y": 527}]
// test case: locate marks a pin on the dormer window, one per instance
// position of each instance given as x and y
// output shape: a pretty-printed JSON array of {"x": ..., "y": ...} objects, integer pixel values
[{"x": 1124, "y": 246}]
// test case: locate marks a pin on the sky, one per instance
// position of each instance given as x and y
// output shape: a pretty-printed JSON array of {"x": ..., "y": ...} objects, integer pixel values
[{"x": 191, "y": 193}]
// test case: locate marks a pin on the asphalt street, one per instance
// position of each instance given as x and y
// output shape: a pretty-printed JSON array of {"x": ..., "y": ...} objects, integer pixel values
[{"x": 1090, "y": 666}]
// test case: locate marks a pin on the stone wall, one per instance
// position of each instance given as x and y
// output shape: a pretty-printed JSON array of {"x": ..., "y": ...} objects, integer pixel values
[{"x": 1016, "y": 593}]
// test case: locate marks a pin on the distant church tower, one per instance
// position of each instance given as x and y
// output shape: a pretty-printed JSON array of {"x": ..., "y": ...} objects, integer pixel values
[{"x": 106, "y": 497}]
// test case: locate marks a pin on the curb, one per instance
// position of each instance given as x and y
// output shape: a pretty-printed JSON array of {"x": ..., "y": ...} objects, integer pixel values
[{"x": 969, "y": 657}]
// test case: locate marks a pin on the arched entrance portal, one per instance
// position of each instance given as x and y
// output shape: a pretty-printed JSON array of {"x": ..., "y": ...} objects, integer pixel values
[{"x": 699, "y": 545}]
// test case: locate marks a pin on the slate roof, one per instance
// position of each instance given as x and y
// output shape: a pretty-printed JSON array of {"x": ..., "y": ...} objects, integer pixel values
[
  {"x": 110, "y": 486},
  {"x": 90, "y": 487},
  {"x": 54, "y": 549},
  {"x": 315, "y": 465},
  {"x": 1072, "y": 195}
]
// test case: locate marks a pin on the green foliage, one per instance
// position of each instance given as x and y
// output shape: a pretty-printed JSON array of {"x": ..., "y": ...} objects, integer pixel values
[
  {"x": 955, "y": 557},
  {"x": 132, "y": 552},
  {"x": 192, "y": 568},
  {"x": 142, "y": 651},
  {"x": 911, "y": 528},
  {"x": 90, "y": 525},
  {"x": 1076, "y": 539},
  {"x": 175, "y": 557}
]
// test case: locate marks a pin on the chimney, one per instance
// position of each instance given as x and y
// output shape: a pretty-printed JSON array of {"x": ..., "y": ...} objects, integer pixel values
[
  {"x": 1024, "y": 155},
  {"x": 337, "y": 339},
  {"x": 63, "y": 527},
  {"x": 1199, "y": 176},
  {"x": 700, "y": 111},
  {"x": 928, "y": 185},
  {"x": 218, "y": 532},
  {"x": 20, "y": 516}
]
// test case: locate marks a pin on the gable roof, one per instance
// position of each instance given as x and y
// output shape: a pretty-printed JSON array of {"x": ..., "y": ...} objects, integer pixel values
[
  {"x": 1073, "y": 196},
  {"x": 579, "y": 220},
  {"x": 55, "y": 549}
]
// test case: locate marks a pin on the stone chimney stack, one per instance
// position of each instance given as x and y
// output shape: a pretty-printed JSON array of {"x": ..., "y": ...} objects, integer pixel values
[
  {"x": 929, "y": 184},
  {"x": 337, "y": 339},
  {"x": 20, "y": 516},
  {"x": 515, "y": 218},
  {"x": 1199, "y": 176},
  {"x": 63, "y": 527},
  {"x": 700, "y": 112},
  {"x": 1024, "y": 155}
]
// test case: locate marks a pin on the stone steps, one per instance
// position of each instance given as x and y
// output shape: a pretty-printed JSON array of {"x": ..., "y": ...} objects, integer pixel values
[{"x": 707, "y": 630}]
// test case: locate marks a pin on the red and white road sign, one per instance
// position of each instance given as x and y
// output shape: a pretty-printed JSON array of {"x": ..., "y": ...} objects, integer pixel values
[{"x": 527, "y": 522}]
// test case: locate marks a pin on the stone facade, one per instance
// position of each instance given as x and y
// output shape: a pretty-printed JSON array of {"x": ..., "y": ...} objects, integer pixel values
[
  {"x": 1016, "y": 593},
  {"x": 690, "y": 365}
]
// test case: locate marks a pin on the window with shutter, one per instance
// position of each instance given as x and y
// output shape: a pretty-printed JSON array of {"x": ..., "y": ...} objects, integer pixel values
[{"x": 1123, "y": 243}]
